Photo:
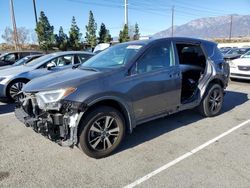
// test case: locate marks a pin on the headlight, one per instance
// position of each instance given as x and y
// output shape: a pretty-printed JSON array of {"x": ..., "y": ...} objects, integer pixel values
[
  {"x": 232, "y": 64},
  {"x": 49, "y": 99}
]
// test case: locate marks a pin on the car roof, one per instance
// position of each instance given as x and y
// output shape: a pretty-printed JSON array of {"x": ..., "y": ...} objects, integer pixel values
[
  {"x": 71, "y": 52},
  {"x": 34, "y": 55},
  {"x": 179, "y": 39},
  {"x": 23, "y": 52}
]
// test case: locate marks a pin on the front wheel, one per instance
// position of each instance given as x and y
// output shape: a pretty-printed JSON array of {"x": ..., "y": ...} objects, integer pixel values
[
  {"x": 101, "y": 132},
  {"x": 14, "y": 89},
  {"x": 212, "y": 102}
]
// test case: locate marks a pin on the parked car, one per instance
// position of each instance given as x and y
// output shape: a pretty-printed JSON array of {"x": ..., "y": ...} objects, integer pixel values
[
  {"x": 23, "y": 61},
  {"x": 10, "y": 58},
  {"x": 100, "y": 47},
  {"x": 13, "y": 79},
  {"x": 240, "y": 68},
  {"x": 224, "y": 50},
  {"x": 124, "y": 86},
  {"x": 235, "y": 53}
]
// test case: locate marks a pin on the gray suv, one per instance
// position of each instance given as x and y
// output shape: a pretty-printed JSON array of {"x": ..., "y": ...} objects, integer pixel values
[{"x": 126, "y": 85}]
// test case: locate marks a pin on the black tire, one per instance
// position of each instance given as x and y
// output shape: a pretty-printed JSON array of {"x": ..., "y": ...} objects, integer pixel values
[
  {"x": 87, "y": 131},
  {"x": 8, "y": 90},
  {"x": 207, "y": 107}
]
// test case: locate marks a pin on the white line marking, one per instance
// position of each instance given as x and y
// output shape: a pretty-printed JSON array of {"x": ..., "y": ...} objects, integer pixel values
[
  {"x": 186, "y": 155},
  {"x": 7, "y": 114}
]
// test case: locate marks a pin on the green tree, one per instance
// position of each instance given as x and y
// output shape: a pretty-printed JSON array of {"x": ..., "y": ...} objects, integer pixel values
[
  {"x": 74, "y": 36},
  {"x": 45, "y": 32},
  {"x": 91, "y": 31},
  {"x": 136, "y": 32},
  {"x": 108, "y": 37},
  {"x": 104, "y": 35},
  {"x": 62, "y": 41},
  {"x": 124, "y": 34}
]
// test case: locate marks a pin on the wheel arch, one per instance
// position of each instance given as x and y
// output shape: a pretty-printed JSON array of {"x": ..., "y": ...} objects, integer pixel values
[
  {"x": 115, "y": 103},
  {"x": 217, "y": 81},
  {"x": 14, "y": 80}
]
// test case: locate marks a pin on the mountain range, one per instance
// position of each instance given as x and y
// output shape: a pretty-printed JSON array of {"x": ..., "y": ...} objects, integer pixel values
[{"x": 211, "y": 27}]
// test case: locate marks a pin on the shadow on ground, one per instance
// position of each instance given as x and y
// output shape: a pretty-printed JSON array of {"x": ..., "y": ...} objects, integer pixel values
[
  {"x": 237, "y": 80},
  {"x": 6, "y": 108},
  {"x": 153, "y": 129}
]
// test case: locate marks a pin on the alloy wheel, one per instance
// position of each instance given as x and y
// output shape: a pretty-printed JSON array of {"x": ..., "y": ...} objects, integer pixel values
[
  {"x": 15, "y": 90},
  {"x": 103, "y": 133},
  {"x": 215, "y": 101}
]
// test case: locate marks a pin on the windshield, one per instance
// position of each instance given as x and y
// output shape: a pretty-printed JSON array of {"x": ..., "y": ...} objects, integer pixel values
[
  {"x": 38, "y": 60},
  {"x": 113, "y": 57},
  {"x": 233, "y": 51},
  {"x": 21, "y": 61},
  {"x": 3, "y": 56},
  {"x": 246, "y": 55}
]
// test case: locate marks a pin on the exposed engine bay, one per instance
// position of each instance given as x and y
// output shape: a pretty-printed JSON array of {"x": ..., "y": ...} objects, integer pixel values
[{"x": 59, "y": 125}]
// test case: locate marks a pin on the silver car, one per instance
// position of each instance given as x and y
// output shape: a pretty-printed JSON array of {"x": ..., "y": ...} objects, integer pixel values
[{"x": 13, "y": 79}]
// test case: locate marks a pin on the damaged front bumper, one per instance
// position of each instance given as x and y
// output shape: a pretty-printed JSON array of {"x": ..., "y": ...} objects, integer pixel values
[{"x": 59, "y": 126}]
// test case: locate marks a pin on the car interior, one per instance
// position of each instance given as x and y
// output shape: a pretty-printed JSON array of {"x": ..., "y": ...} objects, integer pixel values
[{"x": 192, "y": 63}]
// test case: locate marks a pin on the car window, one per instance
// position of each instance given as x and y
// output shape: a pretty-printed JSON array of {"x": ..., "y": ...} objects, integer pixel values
[
  {"x": 65, "y": 60},
  {"x": 10, "y": 58},
  {"x": 246, "y": 55},
  {"x": 82, "y": 58},
  {"x": 114, "y": 57},
  {"x": 24, "y": 54},
  {"x": 77, "y": 60},
  {"x": 60, "y": 61},
  {"x": 157, "y": 57},
  {"x": 21, "y": 61}
]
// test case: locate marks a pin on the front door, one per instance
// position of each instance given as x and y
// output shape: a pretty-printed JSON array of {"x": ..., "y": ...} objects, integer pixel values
[{"x": 155, "y": 81}]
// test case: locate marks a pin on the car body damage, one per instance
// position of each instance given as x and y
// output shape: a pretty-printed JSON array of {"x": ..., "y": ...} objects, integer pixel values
[{"x": 94, "y": 105}]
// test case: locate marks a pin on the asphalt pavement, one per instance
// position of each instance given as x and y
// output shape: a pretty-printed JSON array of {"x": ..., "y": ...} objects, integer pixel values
[{"x": 27, "y": 159}]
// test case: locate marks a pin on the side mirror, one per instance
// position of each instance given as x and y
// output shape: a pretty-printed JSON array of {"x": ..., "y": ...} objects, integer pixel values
[{"x": 50, "y": 66}]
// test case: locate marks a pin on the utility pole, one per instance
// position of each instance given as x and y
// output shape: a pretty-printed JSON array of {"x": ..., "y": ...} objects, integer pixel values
[
  {"x": 231, "y": 26},
  {"x": 172, "y": 34},
  {"x": 12, "y": 14},
  {"x": 126, "y": 11},
  {"x": 34, "y": 5}
]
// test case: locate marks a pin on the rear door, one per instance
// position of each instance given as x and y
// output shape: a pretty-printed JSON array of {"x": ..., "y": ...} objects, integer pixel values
[{"x": 155, "y": 82}]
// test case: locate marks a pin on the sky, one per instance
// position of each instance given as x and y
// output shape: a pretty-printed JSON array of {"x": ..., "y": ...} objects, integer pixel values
[{"x": 151, "y": 15}]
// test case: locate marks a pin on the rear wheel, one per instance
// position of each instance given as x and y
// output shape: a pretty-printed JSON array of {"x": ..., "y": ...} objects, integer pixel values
[
  {"x": 212, "y": 102},
  {"x": 101, "y": 132},
  {"x": 14, "y": 89}
]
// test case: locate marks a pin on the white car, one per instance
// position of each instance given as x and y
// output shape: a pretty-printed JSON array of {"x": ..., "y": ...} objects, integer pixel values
[{"x": 240, "y": 68}]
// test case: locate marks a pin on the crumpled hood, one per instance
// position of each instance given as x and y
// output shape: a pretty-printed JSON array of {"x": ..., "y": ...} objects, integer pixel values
[
  {"x": 61, "y": 79},
  {"x": 15, "y": 70}
]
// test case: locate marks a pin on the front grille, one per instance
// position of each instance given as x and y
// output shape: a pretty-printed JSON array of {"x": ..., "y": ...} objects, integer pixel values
[
  {"x": 244, "y": 68},
  {"x": 243, "y": 75}
]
